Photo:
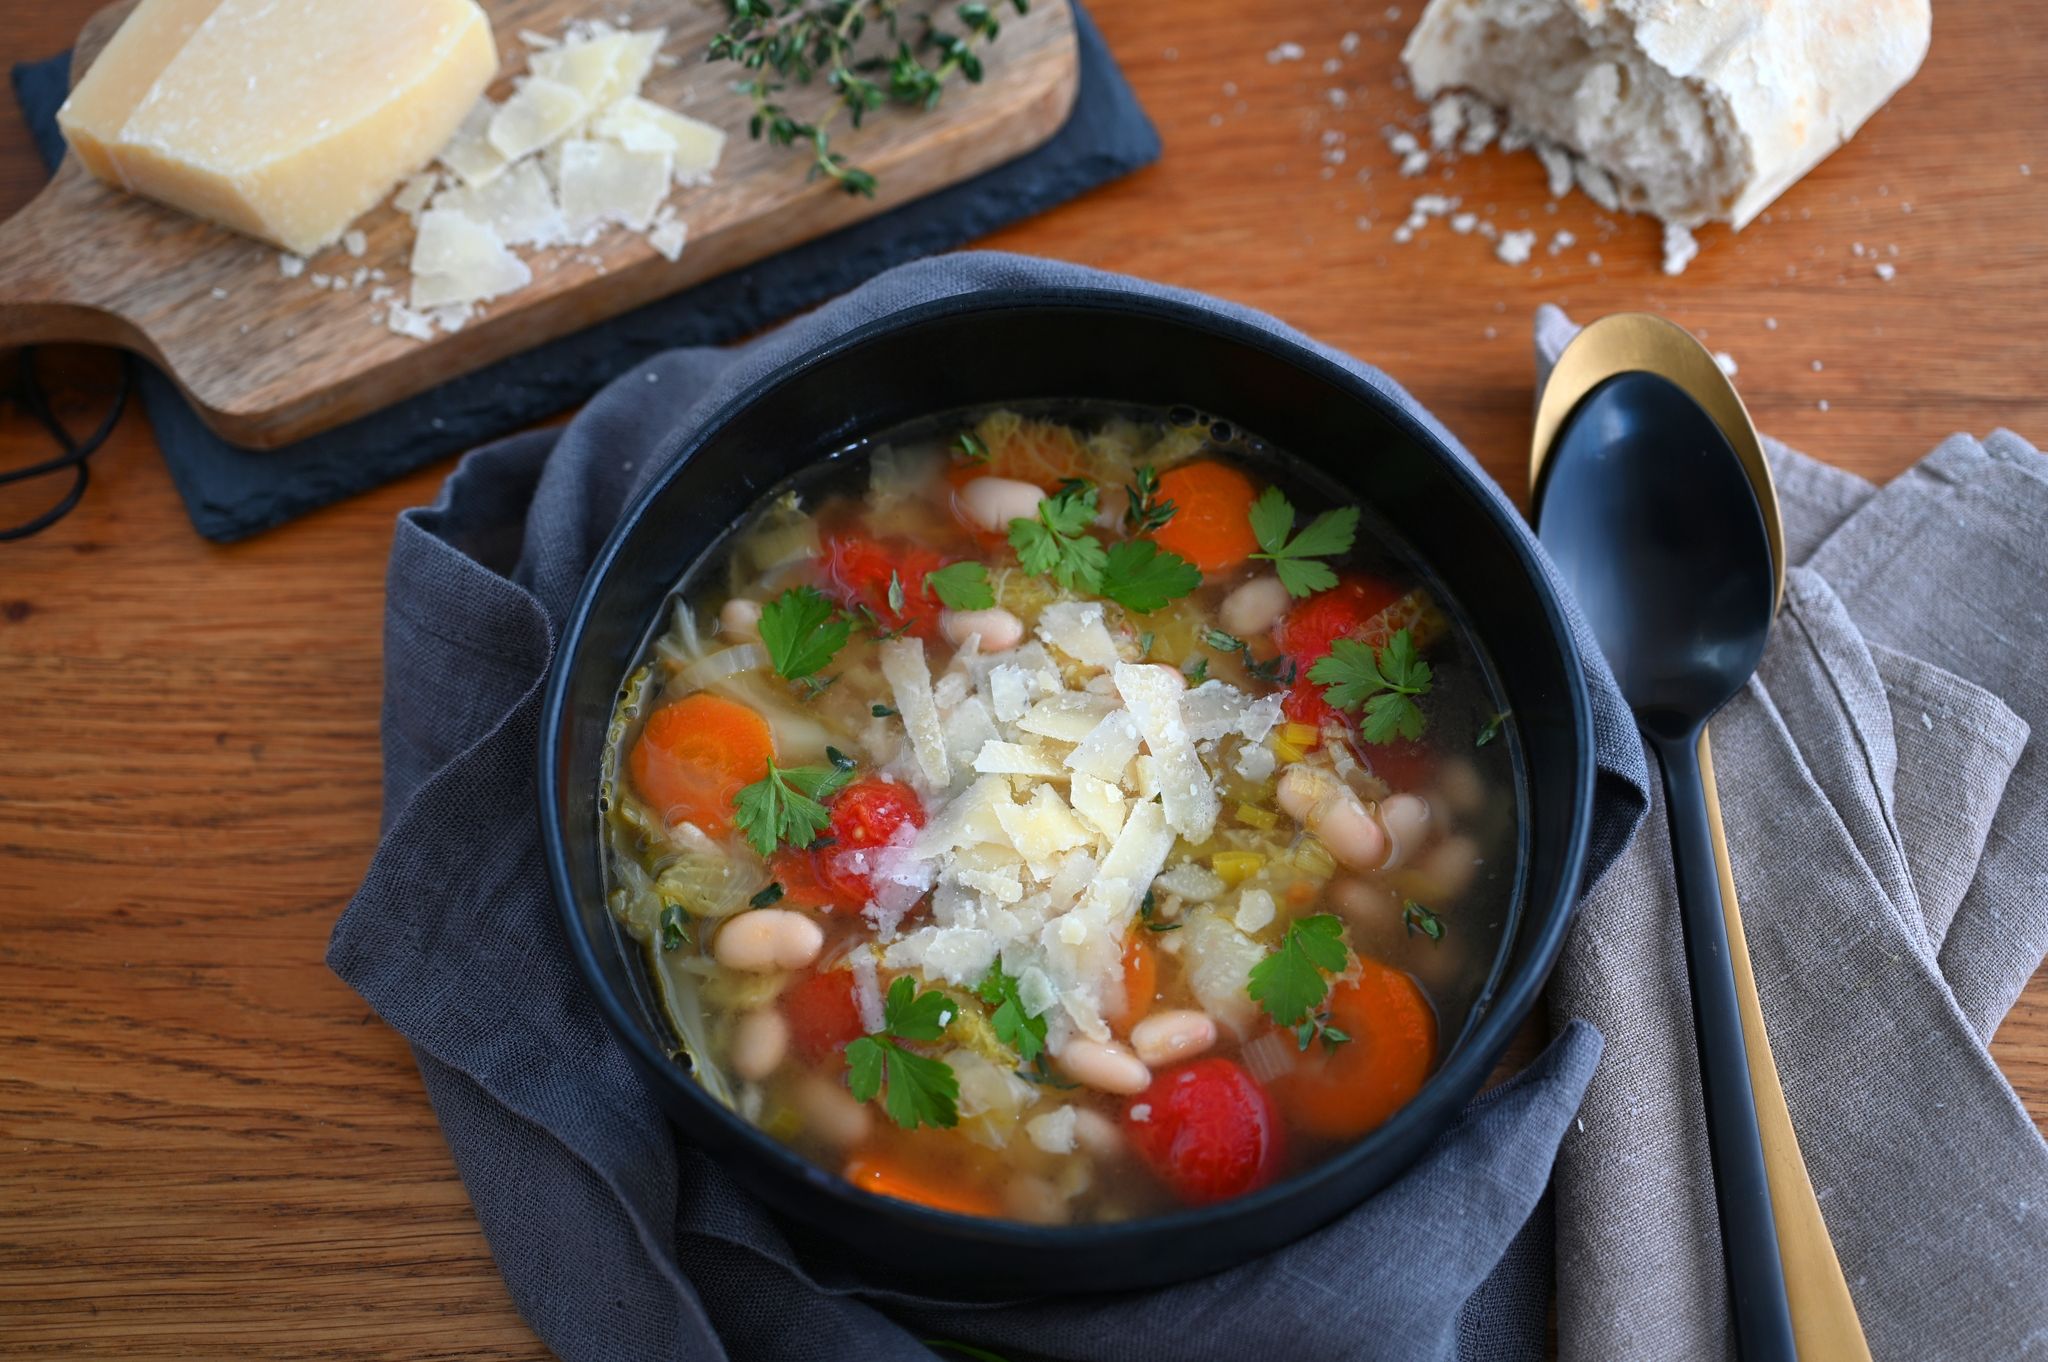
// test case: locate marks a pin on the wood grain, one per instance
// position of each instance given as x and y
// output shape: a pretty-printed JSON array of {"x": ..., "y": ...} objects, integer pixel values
[
  {"x": 268, "y": 360},
  {"x": 209, "y": 1148}
]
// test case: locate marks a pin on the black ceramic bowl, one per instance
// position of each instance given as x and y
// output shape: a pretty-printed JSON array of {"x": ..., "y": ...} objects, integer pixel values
[{"x": 1015, "y": 345}]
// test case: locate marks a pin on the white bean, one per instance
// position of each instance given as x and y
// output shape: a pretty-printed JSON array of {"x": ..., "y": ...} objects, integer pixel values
[
  {"x": 999, "y": 629},
  {"x": 1097, "y": 1134},
  {"x": 1450, "y": 868},
  {"x": 1105, "y": 1066},
  {"x": 993, "y": 503},
  {"x": 1374, "y": 913},
  {"x": 1034, "y": 1200},
  {"x": 765, "y": 939},
  {"x": 1110, "y": 505},
  {"x": 760, "y": 1042},
  {"x": 1460, "y": 786},
  {"x": 1181, "y": 1033},
  {"x": 1327, "y": 807},
  {"x": 739, "y": 619},
  {"x": 830, "y": 1112},
  {"x": 1406, "y": 819},
  {"x": 1254, "y": 608}
]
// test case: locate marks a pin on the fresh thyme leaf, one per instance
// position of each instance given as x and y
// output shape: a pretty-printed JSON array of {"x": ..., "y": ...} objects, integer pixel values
[
  {"x": 1145, "y": 644},
  {"x": 1041, "y": 1073},
  {"x": 785, "y": 806},
  {"x": 1013, "y": 1026},
  {"x": 1057, "y": 543},
  {"x": 881, "y": 711},
  {"x": 1490, "y": 730},
  {"x": 1148, "y": 913},
  {"x": 1196, "y": 670},
  {"x": 1146, "y": 512},
  {"x": 675, "y": 928},
  {"x": 962, "y": 586},
  {"x": 1140, "y": 576},
  {"x": 970, "y": 446},
  {"x": 895, "y": 594},
  {"x": 802, "y": 632},
  {"x": 1317, "y": 1026},
  {"x": 770, "y": 893},
  {"x": 1289, "y": 983},
  {"x": 915, "y": 1089},
  {"x": 1419, "y": 919},
  {"x": 1383, "y": 683},
  {"x": 840, "y": 759},
  {"x": 1329, "y": 535}
]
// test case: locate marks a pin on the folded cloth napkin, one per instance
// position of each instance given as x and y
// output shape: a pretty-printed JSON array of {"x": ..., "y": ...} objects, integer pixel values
[
  {"x": 1888, "y": 823},
  {"x": 232, "y": 493},
  {"x": 614, "y": 1240}
]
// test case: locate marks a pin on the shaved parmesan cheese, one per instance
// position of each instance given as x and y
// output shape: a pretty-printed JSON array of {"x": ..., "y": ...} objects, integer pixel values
[
  {"x": 605, "y": 183},
  {"x": 469, "y": 153},
  {"x": 519, "y": 206},
  {"x": 1004, "y": 884},
  {"x": 910, "y": 680},
  {"x": 967, "y": 819},
  {"x": 1100, "y": 803},
  {"x": 968, "y": 729},
  {"x": 1009, "y": 691},
  {"x": 1191, "y": 882},
  {"x": 1132, "y": 864},
  {"x": 1076, "y": 629},
  {"x": 1107, "y": 749},
  {"x": 1013, "y": 759},
  {"x": 414, "y": 193},
  {"x": 1035, "y": 993},
  {"x": 1255, "y": 909},
  {"x": 669, "y": 235},
  {"x": 1154, "y": 695},
  {"x": 1042, "y": 828},
  {"x": 1216, "y": 959},
  {"x": 1069, "y": 716},
  {"x": 538, "y": 113},
  {"x": 1212, "y": 709},
  {"x": 641, "y": 125},
  {"x": 457, "y": 260},
  {"x": 604, "y": 68},
  {"x": 1260, "y": 716},
  {"x": 959, "y": 955},
  {"x": 1054, "y": 1131},
  {"x": 1256, "y": 764}
]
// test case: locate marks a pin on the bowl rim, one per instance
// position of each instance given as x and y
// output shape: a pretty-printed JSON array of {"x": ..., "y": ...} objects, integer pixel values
[{"x": 1450, "y": 1085}]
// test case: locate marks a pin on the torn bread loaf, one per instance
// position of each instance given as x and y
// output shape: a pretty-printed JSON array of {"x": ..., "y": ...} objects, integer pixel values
[{"x": 1698, "y": 111}]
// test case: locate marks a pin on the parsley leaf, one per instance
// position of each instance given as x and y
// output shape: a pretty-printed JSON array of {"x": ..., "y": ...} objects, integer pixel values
[
  {"x": 1146, "y": 512},
  {"x": 1419, "y": 919},
  {"x": 916, "y": 1089},
  {"x": 802, "y": 632},
  {"x": 1329, "y": 535},
  {"x": 1289, "y": 983},
  {"x": 1141, "y": 577},
  {"x": 1013, "y": 1026},
  {"x": 1057, "y": 543},
  {"x": 787, "y": 805},
  {"x": 962, "y": 586},
  {"x": 1352, "y": 675}
]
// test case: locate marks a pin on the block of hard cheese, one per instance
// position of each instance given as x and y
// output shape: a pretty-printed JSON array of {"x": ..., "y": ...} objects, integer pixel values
[{"x": 285, "y": 119}]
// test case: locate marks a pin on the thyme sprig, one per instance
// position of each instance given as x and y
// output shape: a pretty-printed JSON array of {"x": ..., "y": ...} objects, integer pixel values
[{"x": 792, "y": 41}]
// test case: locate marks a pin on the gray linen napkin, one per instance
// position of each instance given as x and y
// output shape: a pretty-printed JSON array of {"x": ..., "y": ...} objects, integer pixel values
[
  {"x": 1888, "y": 823},
  {"x": 617, "y": 1242}
]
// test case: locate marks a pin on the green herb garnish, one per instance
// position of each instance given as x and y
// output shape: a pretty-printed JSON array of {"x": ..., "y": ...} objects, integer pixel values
[
  {"x": 916, "y": 1089},
  {"x": 769, "y": 893},
  {"x": 802, "y": 632},
  {"x": 1057, "y": 543},
  {"x": 840, "y": 759},
  {"x": 1329, "y": 535},
  {"x": 1317, "y": 1026},
  {"x": 1290, "y": 983},
  {"x": 1419, "y": 919},
  {"x": 1148, "y": 913},
  {"x": 786, "y": 806},
  {"x": 675, "y": 928},
  {"x": 1146, "y": 511},
  {"x": 895, "y": 594},
  {"x": 1014, "y": 1027},
  {"x": 1141, "y": 577},
  {"x": 1490, "y": 730},
  {"x": 881, "y": 711},
  {"x": 1275, "y": 670},
  {"x": 1386, "y": 684},
  {"x": 1196, "y": 670},
  {"x": 970, "y": 446},
  {"x": 962, "y": 586}
]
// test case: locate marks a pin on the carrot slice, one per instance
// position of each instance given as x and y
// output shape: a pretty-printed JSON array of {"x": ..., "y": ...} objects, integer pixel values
[
  {"x": 1345, "y": 1092},
  {"x": 1141, "y": 979},
  {"x": 1211, "y": 525},
  {"x": 693, "y": 756},
  {"x": 875, "y": 1172}
]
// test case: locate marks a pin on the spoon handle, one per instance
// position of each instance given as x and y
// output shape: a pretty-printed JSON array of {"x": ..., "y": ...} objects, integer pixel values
[{"x": 1749, "y": 1237}]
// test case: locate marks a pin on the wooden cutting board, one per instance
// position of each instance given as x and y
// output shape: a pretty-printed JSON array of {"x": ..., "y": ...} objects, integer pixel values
[{"x": 267, "y": 360}]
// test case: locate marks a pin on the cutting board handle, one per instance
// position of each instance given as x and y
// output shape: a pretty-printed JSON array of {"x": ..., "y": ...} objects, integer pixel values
[{"x": 47, "y": 272}]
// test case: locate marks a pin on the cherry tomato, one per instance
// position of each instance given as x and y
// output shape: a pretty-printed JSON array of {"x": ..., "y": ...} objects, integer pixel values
[
  {"x": 796, "y": 870},
  {"x": 865, "y": 814},
  {"x": 858, "y": 572},
  {"x": 1311, "y": 626},
  {"x": 823, "y": 1016},
  {"x": 1208, "y": 1130}
]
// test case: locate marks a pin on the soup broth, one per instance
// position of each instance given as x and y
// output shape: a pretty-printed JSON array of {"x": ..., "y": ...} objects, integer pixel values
[{"x": 1062, "y": 814}]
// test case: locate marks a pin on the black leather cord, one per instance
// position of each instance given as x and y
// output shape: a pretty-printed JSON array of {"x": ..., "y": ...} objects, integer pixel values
[{"x": 28, "y": 393}]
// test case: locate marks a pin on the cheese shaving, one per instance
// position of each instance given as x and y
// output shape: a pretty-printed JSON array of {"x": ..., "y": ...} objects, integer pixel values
[{"x": 903, "y": 667}]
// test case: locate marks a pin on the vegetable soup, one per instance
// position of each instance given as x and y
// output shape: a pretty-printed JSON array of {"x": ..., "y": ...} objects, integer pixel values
[{"x": 1063, "y": 814}]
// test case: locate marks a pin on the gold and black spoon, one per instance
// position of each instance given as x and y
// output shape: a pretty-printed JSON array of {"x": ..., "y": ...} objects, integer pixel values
[{"x": 1652, "y": 495}]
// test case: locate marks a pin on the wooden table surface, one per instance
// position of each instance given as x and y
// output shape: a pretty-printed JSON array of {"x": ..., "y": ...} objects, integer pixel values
[{"x": 210, "y": 1147}]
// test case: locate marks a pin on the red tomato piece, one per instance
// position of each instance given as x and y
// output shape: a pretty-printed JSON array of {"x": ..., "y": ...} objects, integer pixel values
[
  {"x": 858, "y": 572},
  {"x": 1209, "y": 1130},
  {"x": 823, "y": 1016},
  {"x": 865, "y": 814},
  {"x": 1311, "y": 626}
]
